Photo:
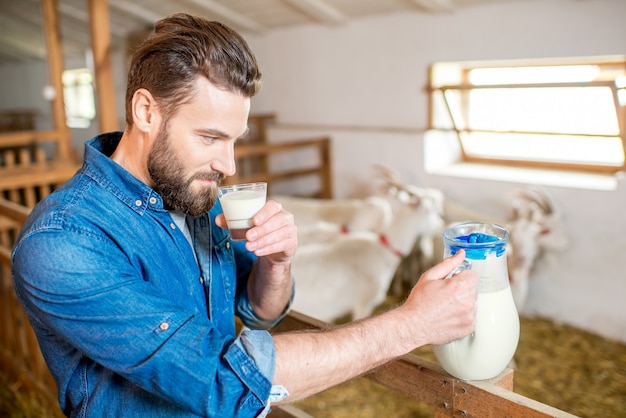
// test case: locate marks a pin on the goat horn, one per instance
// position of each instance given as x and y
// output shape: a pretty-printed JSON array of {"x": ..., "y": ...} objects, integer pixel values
[
  {"x": 389, "y": 176},
  {"x": 538, "y": 197}
]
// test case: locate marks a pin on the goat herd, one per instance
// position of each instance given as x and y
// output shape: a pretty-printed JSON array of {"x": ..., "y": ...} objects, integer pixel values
[{"x": 350, "y": 249}]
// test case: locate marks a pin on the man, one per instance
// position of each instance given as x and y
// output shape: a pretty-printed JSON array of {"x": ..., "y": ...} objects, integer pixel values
[{"x": 132, "y": 284}]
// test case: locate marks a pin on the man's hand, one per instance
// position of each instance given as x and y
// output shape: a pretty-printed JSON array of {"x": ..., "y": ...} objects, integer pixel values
[
  {"x": 274, "y": 234},
  {"x": 444, "y": 310},
  {"x": 274, "y": 240}
]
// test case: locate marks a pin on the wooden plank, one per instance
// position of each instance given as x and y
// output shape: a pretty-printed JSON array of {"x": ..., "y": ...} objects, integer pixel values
[
  {"x": 418, "y": 379},
  {"x": 12, "y": 210},
  {"x": 5, "y": 275},
  {"x": 5, "y": 257},
  {"x": 49, "y": 173},
  {"x": 5, "y": 314},
  {"x": 29, "y": 137},
  {"x": 243, "y": 150},
  {"x": 30, "y": 197},
  {"x": 288, "y": 411},
  {"x": 483, "y": 400},
  {"x": 101, "y": 47},
  {"x": 326, "y": 173},
  {"x": 247, "y": 151},
  {"x": 54, "y": 52}
]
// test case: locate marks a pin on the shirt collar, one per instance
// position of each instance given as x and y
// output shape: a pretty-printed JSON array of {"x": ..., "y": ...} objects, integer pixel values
[{"x": 116, "y": 179}]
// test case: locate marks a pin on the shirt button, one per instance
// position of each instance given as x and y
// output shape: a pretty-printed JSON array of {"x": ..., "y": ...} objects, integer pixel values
[
  {"x": 164, "y": 326},
  {"x": 153, "y": 200},
  {"x": 228, "y": 245},
  {"x": 137, "y": 202},
  {"x": 173, "y": 225},
  {"x": 201, "y": 279}
]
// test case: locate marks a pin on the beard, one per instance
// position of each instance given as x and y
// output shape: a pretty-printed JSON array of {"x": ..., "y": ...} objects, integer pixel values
[{"x": 168, "y": 175}]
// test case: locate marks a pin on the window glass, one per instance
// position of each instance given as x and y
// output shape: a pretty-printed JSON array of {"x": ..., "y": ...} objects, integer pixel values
[
  {"x": 569, "y": 114},
  {"x": 78, "y": 94}
]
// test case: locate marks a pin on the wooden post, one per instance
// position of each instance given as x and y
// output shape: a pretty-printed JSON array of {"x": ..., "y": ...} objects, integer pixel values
[
  {"x": 101, "y": 46},
  {"x": 326, "y": 186},
  {"x": 55, "y": 72}
]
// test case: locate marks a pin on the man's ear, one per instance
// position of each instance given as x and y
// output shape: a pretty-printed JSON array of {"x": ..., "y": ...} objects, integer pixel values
[{"x": 145, "y": 110}]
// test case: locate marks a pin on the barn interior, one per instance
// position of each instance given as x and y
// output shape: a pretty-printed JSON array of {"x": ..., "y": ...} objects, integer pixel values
[{"x": 360, "y": 100}]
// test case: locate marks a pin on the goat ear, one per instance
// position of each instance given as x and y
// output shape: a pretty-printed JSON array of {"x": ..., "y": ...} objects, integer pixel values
[
  {"x": 403, "y": 196},
  {"x": 389, "y": 176},
  {"x": 416, "y": 201}
]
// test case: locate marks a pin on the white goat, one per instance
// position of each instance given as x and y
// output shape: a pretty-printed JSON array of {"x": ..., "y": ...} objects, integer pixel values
[
  {"x": 534, "y": 231},
  {"x": 322, "y": 219},
  {"x": 349, "y": 272}
]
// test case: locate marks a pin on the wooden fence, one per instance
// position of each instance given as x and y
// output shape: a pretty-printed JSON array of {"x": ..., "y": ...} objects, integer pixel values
[
  {"x": 253, "y": 164},
  {"x": 19, "y": 350}
]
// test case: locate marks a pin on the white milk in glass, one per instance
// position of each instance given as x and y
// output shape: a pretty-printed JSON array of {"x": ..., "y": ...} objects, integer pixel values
[
  {"x": 489, "y": 349},
  {"x": 239, "y": 207}
]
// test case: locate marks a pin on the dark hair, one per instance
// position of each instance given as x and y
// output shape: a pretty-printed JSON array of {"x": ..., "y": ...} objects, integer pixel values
[{"x": 182, "y": 48}]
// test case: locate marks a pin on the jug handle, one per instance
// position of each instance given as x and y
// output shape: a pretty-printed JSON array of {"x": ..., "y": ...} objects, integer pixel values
[{"x": 465, "y": 265}]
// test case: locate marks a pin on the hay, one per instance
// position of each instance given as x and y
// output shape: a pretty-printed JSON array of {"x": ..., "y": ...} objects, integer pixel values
[{"x": 18, "y": 402}]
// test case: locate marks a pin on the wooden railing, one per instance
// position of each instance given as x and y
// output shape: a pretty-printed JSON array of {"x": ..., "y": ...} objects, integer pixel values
[
  {"x": 57, "y": 142},
  {"x": 17, "y": 120},
  {"x": 19, "y": 350},
  {"x": 33, "y": 164},
  {"x": 247, "y": 155}
]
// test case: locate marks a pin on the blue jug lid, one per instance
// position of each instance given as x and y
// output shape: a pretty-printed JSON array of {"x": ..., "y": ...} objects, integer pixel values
[{"x": 477, "y": 239}]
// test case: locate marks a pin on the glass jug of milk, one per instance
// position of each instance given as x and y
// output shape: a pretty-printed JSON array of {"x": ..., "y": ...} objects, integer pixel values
[{"x": 489, "y": 349}]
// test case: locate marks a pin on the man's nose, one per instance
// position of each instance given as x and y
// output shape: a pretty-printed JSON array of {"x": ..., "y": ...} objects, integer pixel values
[{"x": 225, "y": 163}]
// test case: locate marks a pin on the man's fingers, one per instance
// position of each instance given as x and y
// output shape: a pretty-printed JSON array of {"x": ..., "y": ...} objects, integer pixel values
[{"x": 443, "y": 268}]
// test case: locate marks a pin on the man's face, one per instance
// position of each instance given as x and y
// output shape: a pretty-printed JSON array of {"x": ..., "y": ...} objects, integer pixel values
[
  {"x": 193, "y": 151},
  {"x": 171, "y": 180}
]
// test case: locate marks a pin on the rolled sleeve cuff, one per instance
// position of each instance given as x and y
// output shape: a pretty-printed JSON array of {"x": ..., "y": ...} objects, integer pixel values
[
  {"x": 251, "y": 319},
  {"x": 259, "y": 346}
]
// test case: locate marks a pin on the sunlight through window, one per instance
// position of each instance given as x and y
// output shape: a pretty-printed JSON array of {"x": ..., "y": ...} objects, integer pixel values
[
  {"x": 78, "y": 95},
  {"x": 567, "y": 115}
]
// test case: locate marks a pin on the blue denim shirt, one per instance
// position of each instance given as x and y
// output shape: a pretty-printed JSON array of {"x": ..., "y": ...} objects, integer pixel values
[{"x": 130, "y": 321}]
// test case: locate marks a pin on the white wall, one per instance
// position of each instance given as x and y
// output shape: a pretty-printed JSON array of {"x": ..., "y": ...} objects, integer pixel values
[{"x": 363, "y": 84}]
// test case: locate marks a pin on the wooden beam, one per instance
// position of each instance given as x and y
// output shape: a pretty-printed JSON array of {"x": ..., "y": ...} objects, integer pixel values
[
  {"x": 319, "y": 10},
  {"x": 101, "y": 46},
  {"x": 17, "y": 34},
  {"x": 137, "y": 11},
  {"x": 435, "y": 6},
  {"x": 13, "y": 211},
  {"x": 229, "y": 15},
  {"x": 55, "y": 72}
]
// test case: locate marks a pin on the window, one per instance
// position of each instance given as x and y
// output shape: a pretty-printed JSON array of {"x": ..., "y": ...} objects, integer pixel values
[
  {"x": 78, "y": 94},
  {"x": 567, "y": 113}
]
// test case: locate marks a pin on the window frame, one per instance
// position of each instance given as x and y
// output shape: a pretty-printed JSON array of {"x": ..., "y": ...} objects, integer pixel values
[{"x": 464, "y": 86}]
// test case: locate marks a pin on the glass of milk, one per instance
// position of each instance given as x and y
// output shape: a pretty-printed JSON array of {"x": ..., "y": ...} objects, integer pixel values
[
  {"x": 486, "y": 352},
  {"x": 240, "y": 202}
]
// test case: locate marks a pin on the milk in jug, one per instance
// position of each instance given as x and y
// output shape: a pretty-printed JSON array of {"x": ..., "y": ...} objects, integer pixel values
[{"x": 488, "y": 350}]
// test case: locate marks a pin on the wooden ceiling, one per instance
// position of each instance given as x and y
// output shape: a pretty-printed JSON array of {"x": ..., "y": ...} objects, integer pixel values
[{"x": 22, "y": 38}]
